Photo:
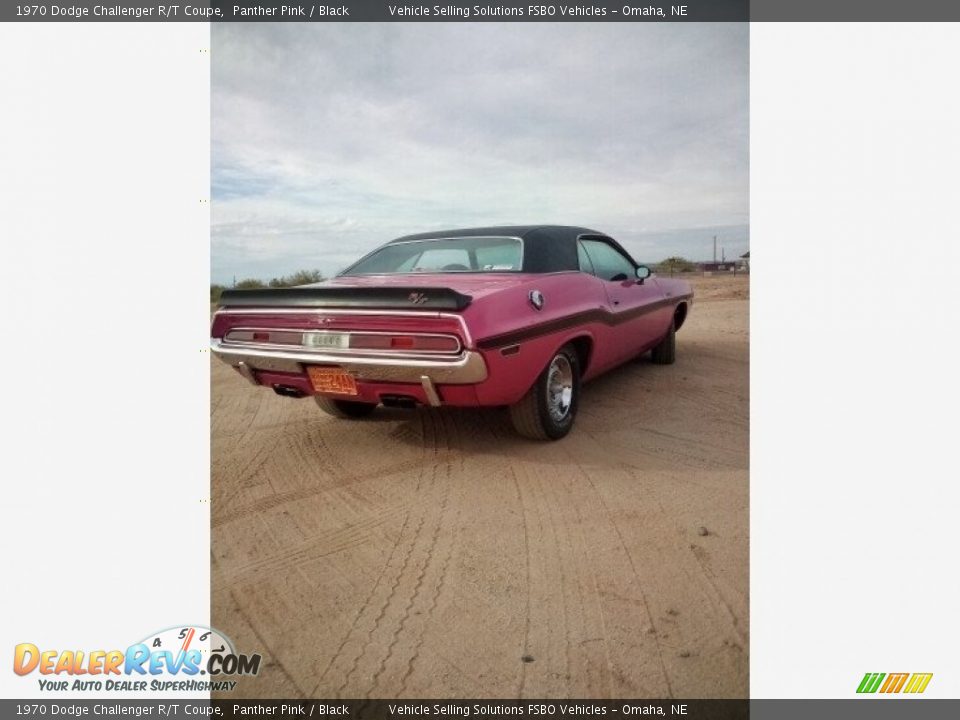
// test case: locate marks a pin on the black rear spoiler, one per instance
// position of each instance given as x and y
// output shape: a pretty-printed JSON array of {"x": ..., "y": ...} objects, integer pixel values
[{"x": 367, "y": 298}]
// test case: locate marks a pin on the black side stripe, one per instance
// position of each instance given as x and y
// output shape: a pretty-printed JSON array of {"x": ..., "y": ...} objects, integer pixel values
[{"x": 600, "y": 315}]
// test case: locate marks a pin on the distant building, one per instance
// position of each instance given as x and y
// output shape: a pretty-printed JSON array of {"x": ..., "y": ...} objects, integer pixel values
[
  {"x": 717, "y": 266},
  {"x": 742, "y": 264}
]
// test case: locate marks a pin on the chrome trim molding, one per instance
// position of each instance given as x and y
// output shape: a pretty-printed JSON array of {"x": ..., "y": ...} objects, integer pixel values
[
  {"x": 466, "y": 368},
  {"x": 430, "y": 391},
  {"x": 247, "y": 372}
]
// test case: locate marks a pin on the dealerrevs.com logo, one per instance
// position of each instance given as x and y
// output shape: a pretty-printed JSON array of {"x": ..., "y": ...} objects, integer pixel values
[
  {"x": 911, "y": 683},
  {"x": 180, "y": 659}
]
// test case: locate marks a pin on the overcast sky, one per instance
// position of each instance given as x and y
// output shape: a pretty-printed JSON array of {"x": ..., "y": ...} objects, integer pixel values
[{"x": 330, "y": 139}]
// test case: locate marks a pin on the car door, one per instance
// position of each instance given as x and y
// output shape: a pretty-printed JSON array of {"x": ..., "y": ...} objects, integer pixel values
[{"x": 635, "y": 314}]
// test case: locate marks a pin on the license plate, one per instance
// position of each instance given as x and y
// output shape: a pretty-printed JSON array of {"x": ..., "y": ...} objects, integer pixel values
[
  {"x": 339, "y": 341},
  {"x": 331, "y": 380}
]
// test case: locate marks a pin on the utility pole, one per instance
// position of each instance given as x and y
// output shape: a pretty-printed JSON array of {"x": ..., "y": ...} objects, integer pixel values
[
  {"x": 714, "y": 248},
  {"x": 723, "y": 254}
]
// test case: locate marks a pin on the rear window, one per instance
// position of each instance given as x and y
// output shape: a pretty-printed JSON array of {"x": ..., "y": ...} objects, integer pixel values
[{"x": 464, "y": 255}]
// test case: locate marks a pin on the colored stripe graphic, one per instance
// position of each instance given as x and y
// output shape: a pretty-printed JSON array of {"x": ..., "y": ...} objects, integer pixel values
[
  {"x": 918, "y": 682},
  {"x": 870, "y": 682},
  {"x": 894, "y": 682}
]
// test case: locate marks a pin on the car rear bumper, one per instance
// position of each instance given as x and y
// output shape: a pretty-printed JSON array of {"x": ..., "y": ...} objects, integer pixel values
[{"x": 466, "y": 367}]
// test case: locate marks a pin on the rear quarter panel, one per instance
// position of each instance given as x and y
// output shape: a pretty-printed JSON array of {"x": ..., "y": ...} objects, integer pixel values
[{"x": 507, "y": 319}]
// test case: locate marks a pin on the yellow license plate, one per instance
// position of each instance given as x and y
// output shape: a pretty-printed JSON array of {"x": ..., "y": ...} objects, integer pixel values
[{"x": 331, "y": 380}]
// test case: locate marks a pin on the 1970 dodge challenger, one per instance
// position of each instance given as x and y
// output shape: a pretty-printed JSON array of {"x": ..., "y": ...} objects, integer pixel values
[{"x": 515, "y": 316}]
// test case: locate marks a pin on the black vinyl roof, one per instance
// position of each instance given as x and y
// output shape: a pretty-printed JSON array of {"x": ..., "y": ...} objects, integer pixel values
[{"x": 546, "y": 248}]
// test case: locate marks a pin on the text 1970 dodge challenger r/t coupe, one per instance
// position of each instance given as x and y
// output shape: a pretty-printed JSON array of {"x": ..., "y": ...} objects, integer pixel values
[{"x": 515, "y": 316}]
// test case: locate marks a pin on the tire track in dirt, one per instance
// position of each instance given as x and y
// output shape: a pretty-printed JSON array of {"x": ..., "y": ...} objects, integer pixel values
[
  {"x": 361, "y": 608},
  {"x": 526, "y": 553},
  {"x": 381, "y": 614},
  {"x": 262, "y": 643},
  {"x": 559, "y": 561},
  {"x": 584, "y": 626},
  {"x": 310, "y": 550},
  {"x": 420, "y": 509},
  {"x": 700, "y": 555},
  {"x": 440, "y": 477},
  {"x": 639, "y": 584},
  {"x": 598, "y": 601},
  {"x": 531, "y": 541},
  {"x": 406, "y": 614},
  {"x": 305, "y": 493},
  {"x": 441, "y": 582}
]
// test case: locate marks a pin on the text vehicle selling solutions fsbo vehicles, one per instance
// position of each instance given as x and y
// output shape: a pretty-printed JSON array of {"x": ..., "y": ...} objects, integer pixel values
[{"x": 499, "y": 316}]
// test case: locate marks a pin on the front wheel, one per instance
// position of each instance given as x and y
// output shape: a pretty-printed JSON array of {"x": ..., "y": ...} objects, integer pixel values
[
  {"x": 344, "y": 408},
  {"x": 665, "y": 353},
  {"x": 547, "y": 411}
]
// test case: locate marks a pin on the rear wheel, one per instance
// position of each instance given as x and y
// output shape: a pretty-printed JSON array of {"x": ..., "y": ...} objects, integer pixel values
[
  {"x": 666, "y": 352},
  {"x": 547, "y": 411},
  {"x": 344, "y": 408}
]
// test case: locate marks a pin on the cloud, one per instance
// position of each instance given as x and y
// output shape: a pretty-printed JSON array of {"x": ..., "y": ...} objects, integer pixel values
[{"x": 329, "y": 139}]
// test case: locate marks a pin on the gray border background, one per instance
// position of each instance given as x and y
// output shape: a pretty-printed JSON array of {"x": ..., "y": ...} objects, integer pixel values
[
  {"x": 873, "y": 708},
  {"x": 377, "y": 11}
]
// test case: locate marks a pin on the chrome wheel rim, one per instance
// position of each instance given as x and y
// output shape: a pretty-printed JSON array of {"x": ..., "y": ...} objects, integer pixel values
[{"x": 559, "y": 388}]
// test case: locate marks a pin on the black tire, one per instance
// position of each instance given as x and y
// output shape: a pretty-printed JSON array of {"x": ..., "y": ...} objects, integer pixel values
[
  {"x": 665, "y": 353},
  {"x": 344, "y": 408},
  {"x": 532, "y": 416}
]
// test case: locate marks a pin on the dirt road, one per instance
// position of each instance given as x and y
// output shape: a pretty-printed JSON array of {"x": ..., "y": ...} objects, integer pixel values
[{"x": 434, "y": 554}]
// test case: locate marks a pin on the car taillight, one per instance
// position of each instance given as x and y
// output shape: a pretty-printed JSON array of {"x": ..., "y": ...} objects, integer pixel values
[
  {"x": 414, "y": 343},
  {"x": 436, "y": 343},
  {"x": 274, "y": 337}
]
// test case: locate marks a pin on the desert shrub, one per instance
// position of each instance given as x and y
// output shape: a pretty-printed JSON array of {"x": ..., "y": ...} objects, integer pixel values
[
  {"x": 301, "y": 277},
  {"x": 250, "y": 284},
  {"x": 676, "y": 264}
]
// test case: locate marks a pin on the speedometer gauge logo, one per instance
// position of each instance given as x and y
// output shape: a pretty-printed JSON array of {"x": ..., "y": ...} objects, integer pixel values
[
  {"x": 193, "y": 650},
  {"x": 216, "y": 652},
  {"x": 177, "y": 658}
]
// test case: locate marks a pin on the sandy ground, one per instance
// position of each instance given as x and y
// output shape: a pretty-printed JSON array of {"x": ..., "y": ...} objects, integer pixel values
[{"x": 433, "y": 554}]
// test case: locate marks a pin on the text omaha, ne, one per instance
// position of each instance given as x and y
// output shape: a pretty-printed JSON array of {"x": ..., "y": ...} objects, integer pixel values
[{"x": 536, "y": 12}]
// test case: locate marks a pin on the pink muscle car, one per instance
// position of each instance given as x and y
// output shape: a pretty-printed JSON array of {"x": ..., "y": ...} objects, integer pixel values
[{"x": 515, "y": 316}]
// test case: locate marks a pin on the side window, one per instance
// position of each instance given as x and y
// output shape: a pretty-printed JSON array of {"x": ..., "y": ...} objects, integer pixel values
[
  {"x": 607, "y": 261},
  {"x": 584, "y": 259}
]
